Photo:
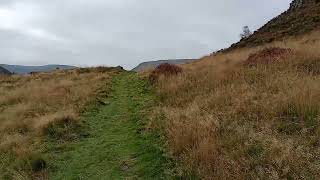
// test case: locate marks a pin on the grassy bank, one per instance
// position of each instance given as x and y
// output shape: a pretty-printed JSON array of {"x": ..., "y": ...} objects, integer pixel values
[{"x": 226, "y": 120}]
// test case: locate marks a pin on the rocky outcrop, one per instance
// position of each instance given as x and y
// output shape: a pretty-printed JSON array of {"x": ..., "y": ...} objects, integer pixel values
[{"x": 296, "y": 4}]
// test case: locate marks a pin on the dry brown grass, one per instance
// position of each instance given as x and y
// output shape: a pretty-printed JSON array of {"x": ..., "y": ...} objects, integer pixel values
[
  {"x": 31, "y": 105},
  {"x": 224, "y": 120}
]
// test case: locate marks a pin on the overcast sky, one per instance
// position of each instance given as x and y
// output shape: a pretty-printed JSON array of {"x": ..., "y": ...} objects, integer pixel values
[{"x": 124, "y": 32}]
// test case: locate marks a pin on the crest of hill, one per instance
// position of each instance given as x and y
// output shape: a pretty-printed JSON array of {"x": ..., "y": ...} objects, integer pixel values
[{"x": 302, "y": 17}]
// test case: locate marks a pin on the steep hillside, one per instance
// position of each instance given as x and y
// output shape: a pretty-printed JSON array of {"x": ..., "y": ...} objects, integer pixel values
[
  {"x": 153, "y": 64},
  {"x": 251, "y": 111},
  {"x": 4, "y": 71},
  {"x": 303, "y": 16},
  {"x": 17, "y": 69},
  {"x": 246, "y": 114}
]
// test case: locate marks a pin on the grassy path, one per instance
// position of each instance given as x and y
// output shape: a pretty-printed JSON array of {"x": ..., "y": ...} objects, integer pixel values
[{"x": 116, "y": 147}]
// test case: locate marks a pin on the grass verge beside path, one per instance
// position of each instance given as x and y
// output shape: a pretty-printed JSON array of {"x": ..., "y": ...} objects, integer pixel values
[{"x": 117, "y": 146}]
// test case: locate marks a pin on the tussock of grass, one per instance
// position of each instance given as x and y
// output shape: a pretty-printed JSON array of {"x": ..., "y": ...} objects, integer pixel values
[
  {"x": 225, "y": 120},
  {"x": 63, "y": 126},
  {"x": 43, "y": 105}
]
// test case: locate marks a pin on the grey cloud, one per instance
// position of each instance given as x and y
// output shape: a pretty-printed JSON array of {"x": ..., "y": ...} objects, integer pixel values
[{"x": 127, "y": 32}]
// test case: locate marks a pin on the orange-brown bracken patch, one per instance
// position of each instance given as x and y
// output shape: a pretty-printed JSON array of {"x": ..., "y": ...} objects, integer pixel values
[
  {"x": 165, "y": 69},
  {"x": 268, "y": 55}
]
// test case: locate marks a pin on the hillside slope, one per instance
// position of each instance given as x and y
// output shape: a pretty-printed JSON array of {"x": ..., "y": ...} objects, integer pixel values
[
  {"x": 251, "y": 111},
  {"x": 228, "y": 116},
  {"x": 303, "y": 16},
  {"x": 4, "y": 71},
  {"x": 153, "y": 64},
  {"x": 18, "y": 69}
]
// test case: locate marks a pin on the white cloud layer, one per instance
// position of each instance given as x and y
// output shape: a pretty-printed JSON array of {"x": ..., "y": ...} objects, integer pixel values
[{"x": 123, "y": 32}]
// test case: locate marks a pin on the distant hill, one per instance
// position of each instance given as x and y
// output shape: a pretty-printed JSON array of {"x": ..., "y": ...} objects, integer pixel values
[
  {"x": 17, "y": 69},
  {"x": 4, "y": 71},
  {"x": 153, "y": 64},
  {"x": 303, "y": 16}
]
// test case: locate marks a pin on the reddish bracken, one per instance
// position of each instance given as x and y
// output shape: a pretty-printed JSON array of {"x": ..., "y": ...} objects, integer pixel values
[
  {"x": 166, "y": 70},
  {"x": 267, "y": 56}
]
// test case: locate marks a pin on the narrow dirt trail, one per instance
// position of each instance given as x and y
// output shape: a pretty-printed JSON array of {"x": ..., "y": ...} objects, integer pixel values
[{"x": 116, "y": 147}]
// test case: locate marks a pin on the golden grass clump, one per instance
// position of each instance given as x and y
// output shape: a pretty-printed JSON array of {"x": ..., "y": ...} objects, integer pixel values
[
  {"x": 225, "y": 120},
  {"x": 45, "y": 104}
]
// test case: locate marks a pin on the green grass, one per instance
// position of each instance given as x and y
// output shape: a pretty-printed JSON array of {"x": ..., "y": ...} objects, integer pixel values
[{"x": 117, "y": 146}]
